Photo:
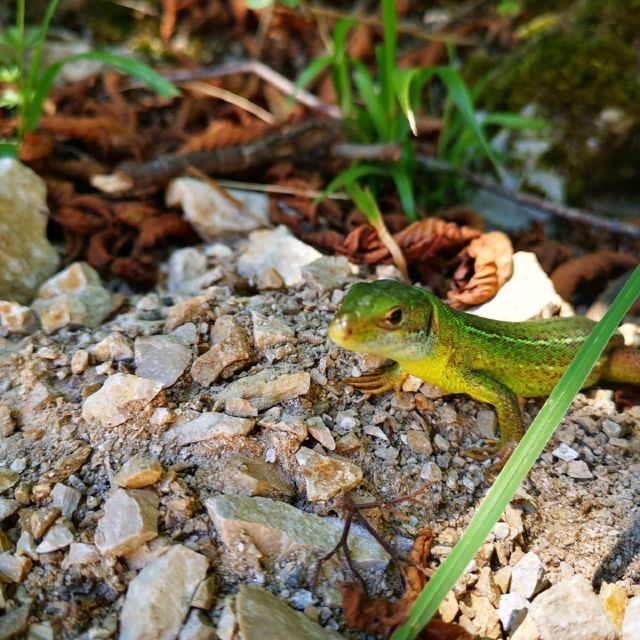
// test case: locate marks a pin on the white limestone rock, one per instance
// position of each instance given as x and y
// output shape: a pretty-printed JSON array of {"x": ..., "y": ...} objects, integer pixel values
[
  {"x": 120, "y": 398},
  {"x": 26, "y": 256},
  {"x": 158, "y": 598}
]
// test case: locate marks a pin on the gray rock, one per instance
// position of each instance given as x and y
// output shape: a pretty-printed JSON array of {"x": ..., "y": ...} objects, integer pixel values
[
  {"x": 419, "y": 443},
  {"x": 267, "y": 388},
  {"x": 130, "y": 519},
  {"x": 431, "y": 472},
  {"x": 120, "y": 398},
  {"x": 631, "y": 623},
  {"x": 579, "y": 470},
  {"x": 326, "y": 477},
  {"x": 526, "y": 576},
  {"x": 209, "y": 426},
  {"x": 321, "y": 433},
  {"x": 58, "y": 537},
  {"x": 65, "y": 498},
  {"x": 262, "y": 615},
  {"x": 114, "y": 347},
  {"x": 79, "y": 362},
  {"x": 74, "y": 296},
  {"x": 197, "y": 627},
  {"x": 270, "y": 331},
  {"x": 214, "y": 212},
  {"x": 14, "y": 567},
  {"x": 8, "y": 506},
  {"x": 161, "y": 358},
  {"x": 276, "y": 420},
  {"x": 26, "y": 256},
  {"x": 139, "y": 471},
  {"x": 82, "y": 553},
  {"x": 512, "y": 610},
  {"x": 186, "y": 266},
  {"x": 8, "y": 479},
  {"x": 570, "y": 610},
  {"x": 279, "y": 530},
  {"x": 253, "y": 477},
  {"x": 14, "y": 622},
  {"x": 279, "y": 250},
  {"x": 7, "y": 423},
  {"x": 15, "y": 318},
  {"x": 565, "y": 452},
  {"x": 486, "y": 423},
  {"x": 230, "y": 351},
  {"x": 158, "y": 598},
  {"x": 327, "y": 273}
]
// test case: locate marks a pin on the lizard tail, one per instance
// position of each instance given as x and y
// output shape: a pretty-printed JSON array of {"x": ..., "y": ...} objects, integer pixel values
[{"x": 623, "y": 365}]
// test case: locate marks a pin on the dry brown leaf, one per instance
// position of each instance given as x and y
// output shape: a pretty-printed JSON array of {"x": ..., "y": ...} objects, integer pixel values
[
  {"x": 590, "y": 269},
  {"x": 381, "y": 616},
  {"x": 35, "y": 146},
  {"x": 492, "y": 256},
  {"x": 106, "y": 133},
  {"x": 221, "y": 133}
]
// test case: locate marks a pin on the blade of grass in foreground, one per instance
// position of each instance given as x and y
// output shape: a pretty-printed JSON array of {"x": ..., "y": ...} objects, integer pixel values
[{"x": 516, "y": 469}]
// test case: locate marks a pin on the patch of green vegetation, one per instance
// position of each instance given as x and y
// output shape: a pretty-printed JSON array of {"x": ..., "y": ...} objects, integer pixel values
[{"x": 575, "y": 76}]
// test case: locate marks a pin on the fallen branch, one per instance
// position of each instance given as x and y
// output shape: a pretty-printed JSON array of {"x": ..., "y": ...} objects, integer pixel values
[
  {"x": 528, "y": 200},
  {"x": 288, "y": 142}
]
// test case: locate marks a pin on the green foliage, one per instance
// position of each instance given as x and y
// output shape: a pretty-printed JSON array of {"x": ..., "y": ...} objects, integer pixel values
[
  {"x": 381, "y": 108},
  {"x": 27, "y": 85},
  {"x": 518, "y": 466}
]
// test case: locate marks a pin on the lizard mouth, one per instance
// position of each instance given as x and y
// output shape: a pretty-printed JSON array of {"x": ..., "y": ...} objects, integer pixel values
[{"x": 339, "y": 330}]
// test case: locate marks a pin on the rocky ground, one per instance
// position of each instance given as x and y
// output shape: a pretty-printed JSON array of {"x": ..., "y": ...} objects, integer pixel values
[{"x": 171, "y": 472}]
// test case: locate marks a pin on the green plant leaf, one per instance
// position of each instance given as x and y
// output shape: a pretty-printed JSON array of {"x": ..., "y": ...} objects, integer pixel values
[
  {"x": 38, "y": 46},
  {"x": 515, "y": 121},
  {"x": 139, "y": 70},
  {"x": 313, "y": 70},
  {"x": 371, "y": 99},
  {"x": 364, "y": 200},
  {"x": 404, "y": 184},
  {"x": 9, "y": 149},
  {"x": 459, "y": 94},
  {"x": 352, "y": 174},
  {"x": 518, "y": 466},
  {"x": 408, "y": 84}
]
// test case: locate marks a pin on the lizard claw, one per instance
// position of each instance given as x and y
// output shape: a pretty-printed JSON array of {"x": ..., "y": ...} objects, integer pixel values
[
  {"x": 491, "y": 449},
  {"x": 378, "y": 381}
]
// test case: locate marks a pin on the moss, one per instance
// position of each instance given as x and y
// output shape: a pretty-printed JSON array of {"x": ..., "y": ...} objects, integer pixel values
[{"x": 573, "y": 75}]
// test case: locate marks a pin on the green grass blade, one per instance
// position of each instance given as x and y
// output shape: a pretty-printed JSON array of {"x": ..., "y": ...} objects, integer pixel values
[
  {"x": 363, "y": 199},
  {"x": 139, "y": 70},
  {"x": 9, "y": 149},
  {"x": 371, "y": 99},
  {"x": 515, "y": 121},
  {"x": 459, "y": 94},
  {"x": 313, "y": 69},
  {"x": 351, "y": 175},
  {"x": 43, "y": 29},
  {"x": 404, "y": 184},
  {"x": 516, "y": 469}
]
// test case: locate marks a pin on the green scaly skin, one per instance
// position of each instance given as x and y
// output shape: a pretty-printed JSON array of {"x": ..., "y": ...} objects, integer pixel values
[{"x": 490, "y": 360}]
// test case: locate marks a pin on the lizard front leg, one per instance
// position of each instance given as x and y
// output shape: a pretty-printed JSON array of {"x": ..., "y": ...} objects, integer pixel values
[
  {"x": 390, "y": 378},
  {"x": 481, "y": 386}
]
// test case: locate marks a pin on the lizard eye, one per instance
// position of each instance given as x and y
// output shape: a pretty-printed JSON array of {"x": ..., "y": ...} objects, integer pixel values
[{"x": 393, "y": 317}]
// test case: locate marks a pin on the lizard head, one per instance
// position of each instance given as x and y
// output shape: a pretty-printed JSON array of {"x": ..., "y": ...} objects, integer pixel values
[{"x": 385, "y": 318}]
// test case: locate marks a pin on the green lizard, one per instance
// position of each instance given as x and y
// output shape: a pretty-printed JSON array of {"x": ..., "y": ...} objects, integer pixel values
[{"x": 490, "y": 360}]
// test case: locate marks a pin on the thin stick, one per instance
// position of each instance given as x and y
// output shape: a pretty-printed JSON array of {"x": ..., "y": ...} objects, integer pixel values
[
  {"x": 528, "y": 200},
  {"x": 416, "y": 32},
  {"x": 280, "y": 189},
  {"x": 262, "y": 71},
  {"x": 232, "y": 98}
]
